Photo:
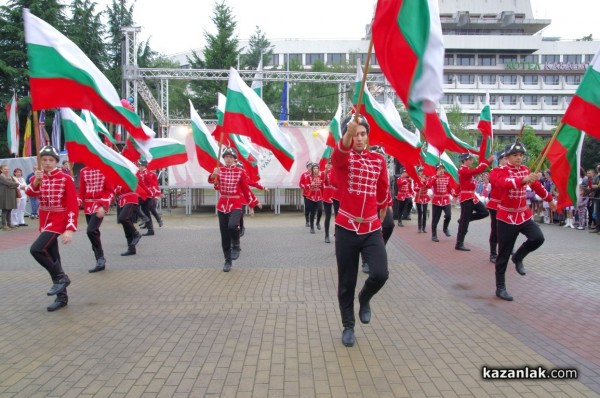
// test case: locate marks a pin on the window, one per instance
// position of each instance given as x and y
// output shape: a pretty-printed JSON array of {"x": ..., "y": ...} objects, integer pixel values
[
  {"x": 573, "y": 79},
  {"x": 495, "y": 119},
  {"x": 530, "y": 99},
  {"x": 449, "y": 59},
  {"x": 552, "y": 100},
  {"x": 448, "y": 99},
  {"x": 551, "y": 119},
  {"x": 530, "y": 79},
  {"x": 507, "y": 58},
  {"x": 487, "y": 79},
  {"x": 509, "y": 99},
  {"x": 530, "y": 59},
  {"x": 550, "y": 58},
  {"x": 466, "y": 98},
  {"x": 466, "y": 79},
  {"x": 374, "y": 60},
  {"x": 273, "y": 61},
  {"x": 509, "y": 119},
  {"x": 312, "y": 58},
  {"x": 530, "y": 120},
  {"x": 567, "y": 100},
  {"x": 294, "y": 58},
  {"x": 448, "y": 79},
  {"x": 336, "y": 59},
  {"x": 355, "y": 56},
  {"x": 508, "y": 79},
  {"x": 487, "y": 60},
  {"x": 552, "y": 80},
  {"x": 472, "y": 119},
  {"x": 465, "y": 59},
  {"x": 493, "y": 99},
  {"x": 588, "y": 58},
  {"x": 572, "y": 58}
]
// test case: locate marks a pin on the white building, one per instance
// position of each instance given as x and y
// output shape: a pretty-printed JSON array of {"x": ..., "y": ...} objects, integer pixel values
[{"x": 494, "y": 46}]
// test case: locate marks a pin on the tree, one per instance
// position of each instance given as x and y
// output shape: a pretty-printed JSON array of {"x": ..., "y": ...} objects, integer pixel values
[
  {"x": 86, "y": 30},
  {"x": 590, "y": 153},
  {"x": 533, "y": 143},
  {"x": 586, "y": 38},
  {"x": 457, "y": 120},
  {"x": 258, "y": 47},
  {"x": 119, "y": 14},
  {"x": 221, "y": 52},
  {"x": 309, "y": 101}
]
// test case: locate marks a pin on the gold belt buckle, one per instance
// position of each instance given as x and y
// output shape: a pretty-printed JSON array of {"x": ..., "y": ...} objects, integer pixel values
[{"x": 358, "y": 219}]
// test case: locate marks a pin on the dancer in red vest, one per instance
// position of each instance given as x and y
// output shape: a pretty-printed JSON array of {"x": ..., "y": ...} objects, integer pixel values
[
  {"x": 492, "y": 206},
  {"x": 404, "y": 193},
  {"x": 422, "y": 199},
  {"x": 443, "y": 187}
]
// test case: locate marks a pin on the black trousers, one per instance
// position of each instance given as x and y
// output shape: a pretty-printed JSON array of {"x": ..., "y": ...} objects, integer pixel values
[
  {"x": 336, "y": 206},
  {"x": 348, "y": 248},
  {"x": 312, "y": 207},
  {"x": 93, "y": 233},
  {"x": 400, "y": 213},
  {"x": 408, "y": 204},
  {"x": 493, "y": 232},
  {"x": 436, "y": 213},
  {"x": 149, "y": 208},
  {"x": 387, "y": 226},
  {"x": 422, "y": 214},
  {"x": 306, "y": 209},
  {"x": 45, "y": 251},
  {"x": 126, "y": 217},
  {"x": 507, "y": 236},
  {"x": 229, "y": 225},
  {"x": 327, "y": 207},
  {"x": 469, "y": 211}
]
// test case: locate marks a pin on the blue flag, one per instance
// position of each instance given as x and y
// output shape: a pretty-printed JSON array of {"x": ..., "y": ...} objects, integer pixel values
[{"x": 283, "y": 110}]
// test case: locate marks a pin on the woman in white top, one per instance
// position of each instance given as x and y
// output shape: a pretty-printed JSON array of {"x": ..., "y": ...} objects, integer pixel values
[{"x": 18, "y": 215}]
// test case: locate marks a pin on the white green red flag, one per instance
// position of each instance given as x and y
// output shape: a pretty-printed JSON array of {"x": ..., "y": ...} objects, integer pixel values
[
  {"x": 386, "y": 127},
  {"x": 564, "y": 156},
  {"x": 335, "y": 130},
  {"x": 241, "y": 143},
  {"x": 158, "y": 152},
  {"x": 247, "y": 114},
  {"x": 432, "y": 157},
  {"x": 584, "y": 110},
  {"x": 453, "y": 143},
  {"x": 12, "y": 130},
  {"x": 61, "y": 75},
  {"x": 98, "y": 126},
  {"x": 485, "y": 126},
  {"x": 407, "y": 36},
  {"x": 257, "y": 83},
  {"x": 205, "y": 144},
  {"x": 84, "y": 146}
]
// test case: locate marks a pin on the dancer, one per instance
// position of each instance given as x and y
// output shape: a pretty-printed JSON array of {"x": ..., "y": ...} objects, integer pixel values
[
  {"x": 149, "y": 180},
  {"x": 404, "y": 193},
  {"x": 443, "y": 187},
  {"x": 492, "y": 206},
  {"x": 422, "y": 199},
  {"x": 128, "y": 202},
  {"x": 314, "y": 195},
  {"x": 328, "y": 192}
]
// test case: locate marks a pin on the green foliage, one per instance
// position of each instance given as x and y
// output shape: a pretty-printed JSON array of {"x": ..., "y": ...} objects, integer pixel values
[
  {"x": 119, "y": 14},
  {"x": 586, "y": 38},
  {"x": 309, "y": 101},
  {"x": 86, "y": 30},
  {"x": 259, "y": 46},
  {"x": 533, "y": 143},
  {"x": 590, "y": 152},
  {"x": 457, "y": 120}
]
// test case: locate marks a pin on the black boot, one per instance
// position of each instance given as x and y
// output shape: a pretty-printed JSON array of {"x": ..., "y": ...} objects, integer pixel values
[
  {"x": 447, "y": 232},
  {"x": 160, "y": 222},
  {"x": 130, "y": 251},
  {"x": 60, "y": 284},
  {"x": 461, "y": 246},
  {"x": 420, "y": 229},
  {"x": 227, "y": 266},
  {"x": 100, "y": 265},
  {"x": 312, "y": 230},
  {"x": 348, "y": 337},
  {"x": 434, "y": 235},
  {"x": 327, "y": 240},
  {"x": 149, "y": 233},
  {"x": 136, "y": 238},
  {"x": 61, "y": 301},
  {"x": 519, "y": 265},
  {"x": 501, "y": 288},
  {"x": 364, "y": 312},
  {"x": 493, "y": 253},
  {"x": 235, "y": 250}
]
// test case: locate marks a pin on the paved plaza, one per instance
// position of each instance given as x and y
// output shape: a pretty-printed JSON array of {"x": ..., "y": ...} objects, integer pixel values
[{"x": 168, "y": 322}]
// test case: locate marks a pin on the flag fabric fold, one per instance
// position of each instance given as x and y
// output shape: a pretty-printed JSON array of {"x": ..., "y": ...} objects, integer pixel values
[
  {"x": 583, "y": 112},
  {"x": 85, "y": 146},
  {"x": 335, "y": 130},
  {"x": 205, "y": 144},
  {"x": 431, "y": 158},
  {"x": 257, "y": 83},
  {"x": 453, "y": 143},
  {"x": 61, "y": 75},
  {"x": 485, "y": 126},
  {"x": 96, "y": 125},
  {"x": 564, "y": 156},
  {"x": 246, "y": 114},
  {"x": 158, "y": 152},
  {"x": 12, "y": 129}
]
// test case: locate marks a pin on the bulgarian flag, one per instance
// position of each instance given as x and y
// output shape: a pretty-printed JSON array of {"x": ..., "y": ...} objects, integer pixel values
[
  {"x": 96, "y": 125},
  {"x": 453, "y": 143},
  {"x": 12, "y": 130},
  {"x": 407, "y": 36},
  {"x": 159, "y": 152},
  {"x": 206, "y": 147},
  {"x": 584, "y": 110},
  {"x": 386, "y": 128},
  {"x": 247, "y": 114},
  {"x": 335, "y": 130},
  {"x": 564, "y": 156},
  {"x": 61, "y": 75},
  {"x": 241, "y": 143},
  {"x": 84, "y": 145},
  {"x": 432, "y": 158},
  {"x": 485, "y": 126},
  {"x": 257, "y": 83}
]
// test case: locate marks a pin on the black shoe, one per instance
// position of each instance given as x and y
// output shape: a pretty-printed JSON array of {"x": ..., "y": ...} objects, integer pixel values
[
  {"x": 59, "y": 286},
  {"x": 160, "y": 222},
  {"x": 364, "y": 312},
  {"x": 461, "y": 246},
  {"x": 519, "y": 266},
  {"x": 149, "y": 233},
  {"x": 22, "y": 225},
  {"x": 312, "y": 230},
  {"x": 400, "y": 224},
  {"x": 318, "y": 226},
  {"x": 434, "y": 238},
  {"x": 419, "y": 231},
  {"x": 447, "y": 233},
  {"x": 503, "y": 294},
  {"x": 365, "y": 268},
  {"x": 348, "y": 337},
  {"x": 307, "y": 224},
  {"x": 327, "y": 240},
  {"x": 242, "y": 231},
  {"x": 100, "y": 265},
  {"x": 130, "y": 251},
  {"x": 136, "y": 238},
  {"x": 227, "y": 266},
  {"x": 235, "y": 252},
  {"x": 57, "y": 304},
  {"x": 493, "y": 258},
  {"x": 424, "y": 231},
  {"x": 143, "y": 226}
]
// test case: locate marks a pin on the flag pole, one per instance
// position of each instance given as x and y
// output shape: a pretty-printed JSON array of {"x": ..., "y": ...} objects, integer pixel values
[
  {"x": 364, "y": 80},
  {"x": 36, "y": 129},
  {"x": 547, "y": 149},
  {"x": 221, "y": 137}
]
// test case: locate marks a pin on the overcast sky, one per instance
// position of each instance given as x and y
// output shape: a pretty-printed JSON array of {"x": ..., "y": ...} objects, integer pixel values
[{"x": 178, "y": 25}]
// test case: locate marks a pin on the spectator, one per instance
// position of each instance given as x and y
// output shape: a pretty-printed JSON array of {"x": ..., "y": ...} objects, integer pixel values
[
  {"x": 8, "y": 196},
  {"x": 34, "y": 201},
  {"x": 18, "y": 216}
]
